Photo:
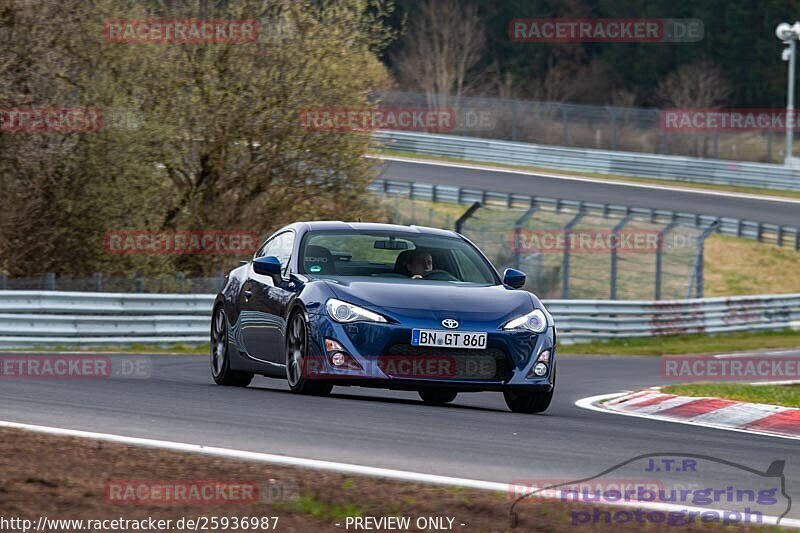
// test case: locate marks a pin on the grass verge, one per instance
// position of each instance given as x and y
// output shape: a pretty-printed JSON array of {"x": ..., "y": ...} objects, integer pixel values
[
  {"x": 734, "y": 266},
  {"x": 689, "y": 344},
  {"x": 785, "y": 395}
]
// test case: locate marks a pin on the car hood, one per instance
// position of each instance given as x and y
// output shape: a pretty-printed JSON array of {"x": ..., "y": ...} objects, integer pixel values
[{"x": 422, "y": 299}]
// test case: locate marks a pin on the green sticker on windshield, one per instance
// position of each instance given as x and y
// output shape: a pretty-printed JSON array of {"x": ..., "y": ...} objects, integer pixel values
[{"x": 315, "y": 269}]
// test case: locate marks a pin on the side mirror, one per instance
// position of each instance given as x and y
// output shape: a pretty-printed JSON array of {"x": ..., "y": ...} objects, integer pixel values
[
  {"x": 267, "y": 266},
  {"x": 514, "y": 278}
]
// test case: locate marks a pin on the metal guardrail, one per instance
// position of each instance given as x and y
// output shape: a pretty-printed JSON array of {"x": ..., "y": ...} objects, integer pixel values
[
  {"x": 606, "y": 127},
  {"x": 674, "y": 168},
  {"x": 781, "y": 235},
  {"x": 585, "y": 320},
  {"x": 48, "y": 318},
  {"x": 55, "y": 318}
]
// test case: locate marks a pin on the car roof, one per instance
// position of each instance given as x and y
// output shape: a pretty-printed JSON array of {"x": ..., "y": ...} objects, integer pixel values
[{"x": 321, "y": 225}]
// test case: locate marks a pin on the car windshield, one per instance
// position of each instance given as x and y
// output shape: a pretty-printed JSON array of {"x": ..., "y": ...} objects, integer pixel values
[{"x": 388, "y": 254}]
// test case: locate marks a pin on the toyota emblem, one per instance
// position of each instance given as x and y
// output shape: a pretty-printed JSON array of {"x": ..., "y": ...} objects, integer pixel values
[{"x": 449, "y": 323}]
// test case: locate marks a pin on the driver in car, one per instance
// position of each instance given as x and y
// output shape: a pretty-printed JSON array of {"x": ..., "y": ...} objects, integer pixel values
[{"x": 419, "y": 263}]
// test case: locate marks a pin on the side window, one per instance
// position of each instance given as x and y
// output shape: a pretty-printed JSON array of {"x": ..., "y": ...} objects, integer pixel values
[
  {"x": 281, "y": 247},
  {"x": 262, "y": 251},
  {"x": 468, "y": 269}
]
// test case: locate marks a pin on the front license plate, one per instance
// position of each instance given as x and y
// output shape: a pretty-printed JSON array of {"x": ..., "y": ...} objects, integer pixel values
[{"x": 448, "y": 339}]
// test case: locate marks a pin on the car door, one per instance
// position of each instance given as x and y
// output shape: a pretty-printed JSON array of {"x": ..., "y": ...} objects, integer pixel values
[{"x": 264, "y": 302}]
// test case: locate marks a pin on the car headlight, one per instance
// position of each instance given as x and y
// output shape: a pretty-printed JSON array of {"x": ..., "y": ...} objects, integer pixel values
[
  {"x": 345, "y": 312},
  {"x": 535, "y": 321}
]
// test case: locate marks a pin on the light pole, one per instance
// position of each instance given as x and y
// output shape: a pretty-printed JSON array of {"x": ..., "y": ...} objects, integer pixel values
[{"x": 789, "y": 34}]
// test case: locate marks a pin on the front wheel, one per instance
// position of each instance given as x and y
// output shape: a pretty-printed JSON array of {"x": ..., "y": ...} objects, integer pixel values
[
  {"x": 220, "y": 357},
  {"x": 297, "y": 359},
  {"x": 439, "y": 397},
  {"x": 528, "y": 402}
]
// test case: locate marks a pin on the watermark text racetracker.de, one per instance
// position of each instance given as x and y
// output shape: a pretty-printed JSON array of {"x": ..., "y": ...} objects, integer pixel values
[
  {"x": 50, "y": 120},
  {"x": 211, "y": 242},
  {"x": 369, "y": 119},
  {"x": 610, "y": 30},
  {"x": 597, "y": 240},
  {"x": 193, "y": 492},
  {"x": 180, "y": 31},
  {"x": 341, "y": 365},
  {"x": 45, "y": 524},
  {"x": 74, "y": 366},
  {"x": 745, "y": 368},
  {"x": 727, "y": 120}
]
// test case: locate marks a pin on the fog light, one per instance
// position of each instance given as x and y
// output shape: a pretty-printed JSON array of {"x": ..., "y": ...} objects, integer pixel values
[
  {"x": 540, "y": 369},
  {"x": 338, "y": 359}
]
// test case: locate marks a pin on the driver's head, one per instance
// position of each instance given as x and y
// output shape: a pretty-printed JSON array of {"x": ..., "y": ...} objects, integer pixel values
[{"x": 420, "y": 262}]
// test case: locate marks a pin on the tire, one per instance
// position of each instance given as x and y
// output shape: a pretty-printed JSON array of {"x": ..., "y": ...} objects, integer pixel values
[
  {"x": 220, "y": 356},
  {"x": 437, "y": 396},
  {"x": 296, "y": 357},
  {"x": 528, "y": 402}
]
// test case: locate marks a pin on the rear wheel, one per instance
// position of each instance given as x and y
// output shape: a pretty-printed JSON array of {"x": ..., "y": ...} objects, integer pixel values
[
  {"x": 220, "y": 358},
  {"x": 435, "y": 396},
  {"x": 296, "y": 359}
]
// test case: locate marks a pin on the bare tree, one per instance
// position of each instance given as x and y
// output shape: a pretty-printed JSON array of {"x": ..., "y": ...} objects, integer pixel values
[
  {"x": 445, "y": 43},
  {"x": 623, "y": 98},
  {"x": 700, "y": 86}
]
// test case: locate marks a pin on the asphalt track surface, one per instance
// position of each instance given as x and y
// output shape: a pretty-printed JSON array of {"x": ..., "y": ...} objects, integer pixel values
[
  {"x": 476, "y": 437},
  {"x": 730, "y": 205}
]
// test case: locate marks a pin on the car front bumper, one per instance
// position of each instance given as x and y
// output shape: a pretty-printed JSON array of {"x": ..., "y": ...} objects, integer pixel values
[{"x": 382, "y": 356}]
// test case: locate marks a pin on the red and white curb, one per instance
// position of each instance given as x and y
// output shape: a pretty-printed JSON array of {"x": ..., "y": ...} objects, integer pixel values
[{"x": 757, "y": 418}]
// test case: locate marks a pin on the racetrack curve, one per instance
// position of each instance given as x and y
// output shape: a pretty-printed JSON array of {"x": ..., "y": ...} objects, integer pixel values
[
  {"x": 773, "y": 211},
  {"x": 476, "y": 437}
]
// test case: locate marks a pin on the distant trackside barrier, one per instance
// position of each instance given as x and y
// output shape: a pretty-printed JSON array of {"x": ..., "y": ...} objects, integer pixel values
[{"x": 673, "y": 168}]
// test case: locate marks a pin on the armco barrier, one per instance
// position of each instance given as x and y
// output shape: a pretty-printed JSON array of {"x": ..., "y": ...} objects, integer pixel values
[
  {"x": 50, "y": 318},
  {"x": 53, "y": 318},
  {"x": 710, "y": 171}
]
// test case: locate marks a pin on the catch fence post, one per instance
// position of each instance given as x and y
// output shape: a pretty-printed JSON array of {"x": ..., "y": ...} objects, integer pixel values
[
  {"x": 468, "y": 213},
  {"x": 660, "y": 258},
  {"x": 614, "y": 246},
  {"x": 97, "y": 281},
  {"x": 567, "y": 246},
  {"x": 518, "y": 231}
]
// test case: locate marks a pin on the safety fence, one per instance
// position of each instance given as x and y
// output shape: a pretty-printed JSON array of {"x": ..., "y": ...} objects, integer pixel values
[
  {"x": 505, "y": 226},
  {"x": 781, "y": 235},
  {"x": 573, "y": 249},
  {"x": 673, "y": 168},
  {"x": 70, "y": 319}
]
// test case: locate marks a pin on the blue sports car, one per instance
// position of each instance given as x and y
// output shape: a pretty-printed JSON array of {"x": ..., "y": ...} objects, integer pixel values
[{"x": 381, "y": 305}]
